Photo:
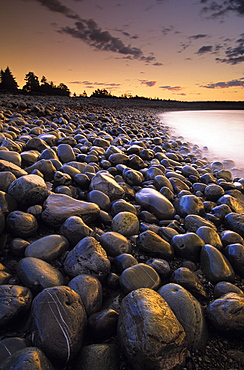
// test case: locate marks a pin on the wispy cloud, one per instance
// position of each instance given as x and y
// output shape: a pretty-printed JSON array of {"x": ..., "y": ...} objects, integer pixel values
[
  {"x": 198, "y": 36},
  {"x": 219, "y": 8},
  {"x": 89, "y": 32},
  {"x": 224, "y": 85},
  {"x": 89, "y": 83},
  {"x": 166, "y": 30},
  {"x": 205, "y": 49},
  {"x": 148, "y": 83},
  {"x": 234, "y": 55},
  {"x": 171, "y": 88}
]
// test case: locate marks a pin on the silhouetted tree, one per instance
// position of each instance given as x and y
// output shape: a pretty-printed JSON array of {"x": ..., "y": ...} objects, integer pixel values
[
  {"x": 32, "y": 83},
  {"x": 101, "y": 93},
  {"x": 7, "y": 80}
]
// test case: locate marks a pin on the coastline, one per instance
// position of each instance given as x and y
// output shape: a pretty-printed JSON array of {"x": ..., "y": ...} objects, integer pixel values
[{"x": 123, "y": 124}]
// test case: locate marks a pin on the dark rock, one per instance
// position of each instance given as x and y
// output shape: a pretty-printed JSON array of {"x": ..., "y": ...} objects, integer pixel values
[
  {"x": 161, "y": 266},
  {"x": 46, "y": 168},
  {"x": 15, "y": 300},
  {"x": 215, "y": 265},
  {"x": 6, "y": 179},
  {"x": 167, "y": 233},
  {"x": 230, "y": 237},
  {"x": 123, "y": 261},
  {"x": 153, "y": 244},
  {"x": 156, "y": 203},
  {"x": 17, "y": 246},
  {"x": 227, "y": 314},
  {"x": 115, "y": 243},
  {"x": 11, "y": 345},
  {"x": 234, "y": 204},
  {"x": 21, "y": 224},
  {"x": 5, "y": 274},
  {"x": 105, "y": 182},
  {"x": 37, "y": 274},
  {"x": 65, "y": 153},
  {"x": 188, "y": 246},
  {"x": 89, "y": 289},
  {"x": 139, "y": 276},
  {"x": 193, "y": 222},
  {"x": 59, "y": 207},
  {"x": 102, "y": 356},
  {"x": 150, "y": 333},
  {"x": 30, "y": 358},
  {"x": 47, "y": 248},
  {"x": 213, "y": 192},
  {"x": 87, "y": 257},
  {"x": 189, "y": 312},
  {"x": 235, "y": 222},
  {"x": 132, "y": 177},
  {"x": 235, "y": 255},
  {"x": 210, "y": 236},
  {"x": 101, "y": 199},
  {"x": 122, "y": 205},
  {"x": 11, "y": 167},
  {"x": 189, "y": 204},
  {"x": 102, "y": 325},
  {"x": 189, "y": 280},
  {"x": 59, "y": 321},
  {"x": 224, "y": 287}
]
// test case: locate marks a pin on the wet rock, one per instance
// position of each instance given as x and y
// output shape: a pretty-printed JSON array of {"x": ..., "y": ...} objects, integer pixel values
[
  {"x": 37, "y": 274},
  {"x": 213, "y": 192},
  {"x": 189, "y": 312},
  {"x": 9, "y": 346},
  {"x": 150, "y": 333},
  {"x": 46, "y": 168},
  {"x": 161, "y": 266},
  {"x": 189, "y": 280},
  {"x": 235, "y": 222},
  {"x": 102, "y": 325},
  {"x": 125, "y": 223},
  {"x": 105, "y": 182},
  {"x": 87, "y": 257},
  {"x": 30, "y": 358},
  {"x": 193, "y": 222},
  {"x": 235, "y": 255},
  {"x": 210, "y": 236},
  {"x": 189, "y": 205},
  {"x": 101, "y": 199},
  {"x": 139, "y": 276},
  {"x": 122, "y": 205},
  {"x": 103, "y": 356},
  {"x": 224, "y": 287},
  {"x": 232, "y": 202},
  {"x": 89, "y": 289},
  {"x": 59, "y": 207},
  {"x": 227, "y": 314},
  {"x": 75, "y": 229},
  {"x": 230, "y": 237},
  {"x": 132, "y": 177},
  {"x": 47, "y": 248},
  {"x": 28, "y": 190},
  {"x": 15, "y": 301},
  {"x": 156, "y": 203},
  {"x": 153, "y": 244},
  {"x": 11, "y": 167},
  {"x": 115, "y": 243},
  {"x": 21, "y": 224},
  {"x": 215, "y": 265},
  {"x": 65, "y": 153},
  {"x": 6, "y": 179},
  {"x": 59, "y": 321},
  {"x": 188, "y": 246}
]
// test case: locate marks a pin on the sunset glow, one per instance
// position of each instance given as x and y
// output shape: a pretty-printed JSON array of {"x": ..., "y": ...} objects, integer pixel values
[{"x": 166, "y": 49}]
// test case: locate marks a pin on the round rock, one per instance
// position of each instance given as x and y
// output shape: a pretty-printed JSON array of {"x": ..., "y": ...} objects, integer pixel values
[
  {"x": 47, "y": 248},
  {"x": 125, "y": 223}
]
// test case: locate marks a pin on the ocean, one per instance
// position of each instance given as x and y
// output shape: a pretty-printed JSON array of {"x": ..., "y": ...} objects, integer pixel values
[{"x": 218, "y": 133}]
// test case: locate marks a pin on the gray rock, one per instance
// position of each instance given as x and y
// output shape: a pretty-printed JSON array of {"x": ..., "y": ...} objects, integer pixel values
[
  {"x": 45, "y": 166},
  {"x": 102, "y": 356},
  {"x": 189, "y": 312},
  {"x": 87, "y": 257},
  {"x": 227, "y": 314},
  {"x": 75, "y": 229},
  {"x": 6, "y": 179},
  {"x": 9, "y": 346},
  {"x": 132, "y": 177},
  {"x": 105, "y": 182},
  {"x": 189, "y": 204},
  {"x": 153, "y": 244},
  {"x": 230, "y": 237},
  {"x": 235, "y": 222},
  {"x": 101, "y": 199},
  {"x": 161, "y": 266},
  {"x": 224, "y": 287},
  {"x": 30, "y": 358},
  {"x": 102, "y": 325},
  {"x": 213, "y": 192},
  {"x": 150, "y": 333},
  {"x": 156, "y": 203},
  {"x": 234, "y": 204},
  {"x": 29, "y": 190},
  {"x": 21, "y": 224},
  {"x": 11, "y": 167},
  {"x": 189, "y": 280},
  {"x": 139, "y": 276},
  {"x": 215, "y": 265},
  {"x": 122, "y": 205},
  {"x": 193, "y": 222},
  {"x": 59, "y": 321},
  {"x": 89, "y": 289},
  {"x": 37, "y": 274},
  {"x": 125, "y": 223},
  {"x": 235, "y": 255},
  {"x": 210, "y": 236},
  {"x": 47, "y": 248},
  {"x": 11, "y": 156},
  {"x": 115, "y": 243},
  {"x": 188, "y": 246},
  {"x": 66, "y": 153},
  {"x": 59, "y": 207}
]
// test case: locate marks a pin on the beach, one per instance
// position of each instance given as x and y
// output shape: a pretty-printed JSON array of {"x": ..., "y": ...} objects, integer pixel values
[{"x": 121, "y": 246}]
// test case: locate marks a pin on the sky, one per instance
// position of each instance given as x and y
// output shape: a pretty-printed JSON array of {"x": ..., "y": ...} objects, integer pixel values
[{"x": 187, "y": 50}]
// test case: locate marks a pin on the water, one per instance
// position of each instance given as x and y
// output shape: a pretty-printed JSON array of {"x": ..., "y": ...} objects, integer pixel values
[{"x": 221, "y": 131}]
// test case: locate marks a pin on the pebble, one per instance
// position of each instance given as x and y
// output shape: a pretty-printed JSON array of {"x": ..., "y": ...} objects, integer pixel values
[{"x": 97, "y": 202}]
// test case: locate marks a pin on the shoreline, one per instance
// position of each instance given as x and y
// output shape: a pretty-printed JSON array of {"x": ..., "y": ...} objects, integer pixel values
[{"x": 138, "y": 142}]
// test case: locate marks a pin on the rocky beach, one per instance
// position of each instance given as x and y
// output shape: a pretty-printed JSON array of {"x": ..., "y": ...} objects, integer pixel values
[{"x": 122, "y": 246}]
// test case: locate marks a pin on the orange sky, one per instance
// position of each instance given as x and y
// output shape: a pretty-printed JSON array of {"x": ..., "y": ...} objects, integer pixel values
[{"x": 170, "y": 49}]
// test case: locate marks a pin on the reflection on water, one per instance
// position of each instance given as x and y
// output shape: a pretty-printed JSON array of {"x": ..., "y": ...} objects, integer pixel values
[{"x": 222, "y": 132}]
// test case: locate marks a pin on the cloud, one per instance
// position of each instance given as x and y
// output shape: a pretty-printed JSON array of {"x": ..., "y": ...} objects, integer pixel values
[
  {"x": 148, "y": 83},
  {"x": 89, "y": 83},
  {"x": 171, "y": 88},
  {"x": 234, "y": 55},
  {"x": 205, "y": 49},
  {"x": 224, "y": 85},
  {"x": 157, "y": 64},
  {"x": 57, "y": 7},
  {"x": 198, "y": 36},
  {"x": 220, "y": 8},
  {"x": 166, "y": 30},
  {"x": 89, "y": 32}
]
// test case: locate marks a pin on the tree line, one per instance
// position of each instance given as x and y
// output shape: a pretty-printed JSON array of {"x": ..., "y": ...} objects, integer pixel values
[{"x": 32, "y": 85}]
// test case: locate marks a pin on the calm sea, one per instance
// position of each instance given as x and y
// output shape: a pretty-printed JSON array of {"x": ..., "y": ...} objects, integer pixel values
[{"x": 218, "y": 133}]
